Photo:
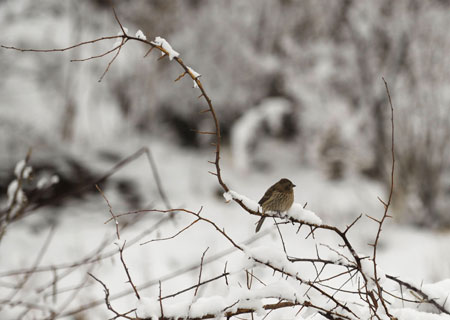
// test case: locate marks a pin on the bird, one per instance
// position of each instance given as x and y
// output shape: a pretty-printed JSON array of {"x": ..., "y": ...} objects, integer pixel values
[{"x": 278, "y": 197}]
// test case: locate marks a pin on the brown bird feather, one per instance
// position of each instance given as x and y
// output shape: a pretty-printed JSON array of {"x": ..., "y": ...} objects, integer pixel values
[{"x": 278, "y": 197}]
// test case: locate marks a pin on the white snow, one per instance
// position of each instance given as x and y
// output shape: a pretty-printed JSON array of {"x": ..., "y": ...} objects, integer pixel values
[
  {"x": 249, "y": 203},
  {"x": 161, "y": 42},
  {"x": 246, "y": 131},
  {"x": 207, "y": 305},
  {"x": 439, "y": 291},
  {"x": 421, "y": 254},
  {"x": 19, "y": 167},
  {"x": 15, "y": 204},
  {"x": 297, "y": 212},
  {"x": 46, "y": 181},
  {"x": 148, "y": 308},
  {"x": 412, "y": 314},
  {"x": 368, "y": 270},
  {"x": 272, "y": 255},
  {"x": 42, "y": 182},
  {"x": 21, "y": 197},
  {"x": 12, "y": 188},
  {"x": 234, "y": 297},
  {"x": 140, "y": 35},
  {"x": 194, "y": 73},
  {"x": 336, "y": 255},
  {"x": 27, "y": 172},
  {"x": 228, "y": 197},
  {"x": 279, "y": 289},
  {"x": 54, "y": 179}
]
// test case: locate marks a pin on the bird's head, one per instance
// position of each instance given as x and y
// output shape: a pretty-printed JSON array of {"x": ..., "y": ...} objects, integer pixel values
[{"x": 285, "y": 184}]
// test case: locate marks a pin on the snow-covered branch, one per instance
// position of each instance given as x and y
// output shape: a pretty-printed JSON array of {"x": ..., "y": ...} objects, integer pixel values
[{"x": 337, "y": 283}]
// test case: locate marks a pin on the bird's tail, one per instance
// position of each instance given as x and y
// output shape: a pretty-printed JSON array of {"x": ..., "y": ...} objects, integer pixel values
[{"x": 260, "y": 223}]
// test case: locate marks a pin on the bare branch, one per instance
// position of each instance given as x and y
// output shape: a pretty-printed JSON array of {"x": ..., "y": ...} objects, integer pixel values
[
  {"x": 127, "y": 272},
  {"x": 423, "y": 295},
  {"x": 200, "y": 273}
]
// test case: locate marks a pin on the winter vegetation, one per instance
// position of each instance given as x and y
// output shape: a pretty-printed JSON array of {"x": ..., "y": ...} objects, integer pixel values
[{"x": 114, "y": 207}]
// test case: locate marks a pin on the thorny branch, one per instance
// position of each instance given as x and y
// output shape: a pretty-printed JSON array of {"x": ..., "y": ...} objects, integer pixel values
[
  {"x": 108, "y": 303},
  {"x": 386, "y": 209},
  {"x": 341, "y": 310},
  {"x": 61, "y": 271},
  {"x": 121, "y": 246},
  {"x": 424, "y": 297}
]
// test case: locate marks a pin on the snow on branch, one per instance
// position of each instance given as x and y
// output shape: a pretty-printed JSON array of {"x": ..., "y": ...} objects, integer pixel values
[
  {"x": 249, "y": 203},
  {"x": 295, "y": 213},
  {"x": 16, "y": 197},
  {"x": 161, "y": 42},
  {"x": 140, "y": 35},
  {"x": 344, "y": 283}
]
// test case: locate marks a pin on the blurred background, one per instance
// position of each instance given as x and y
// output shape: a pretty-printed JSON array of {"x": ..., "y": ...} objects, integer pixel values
[{"x": 297, "y": 86}]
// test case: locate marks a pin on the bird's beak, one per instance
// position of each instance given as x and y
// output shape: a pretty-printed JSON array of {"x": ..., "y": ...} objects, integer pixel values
[{"x": 293, "y": 186}]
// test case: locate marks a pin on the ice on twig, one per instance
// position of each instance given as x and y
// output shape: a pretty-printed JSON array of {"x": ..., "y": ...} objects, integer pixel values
[
  {"x": 140, "y": 35},
  {"x": 249, "y": 203},
  {"x": 166, "y": 46}
]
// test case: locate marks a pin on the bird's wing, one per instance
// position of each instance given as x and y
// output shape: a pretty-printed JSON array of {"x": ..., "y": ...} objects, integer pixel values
[{"x": 267, "y": 195}]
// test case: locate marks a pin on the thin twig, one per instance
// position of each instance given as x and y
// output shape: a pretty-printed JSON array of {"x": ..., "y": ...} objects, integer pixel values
[
  {"x": 175, "y": 235},
  {"x": 110, "y": 211},
  {"x": 200, "y": 273},
  {"x": 386, "y": 207},
  {"x": 425, "y": 297},
  {"x": 127, "y": 272},
  {"x": 160, "y": 301}
]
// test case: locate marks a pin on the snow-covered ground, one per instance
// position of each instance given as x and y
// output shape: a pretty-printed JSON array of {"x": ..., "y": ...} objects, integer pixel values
[{"x": 413, "y": 254}]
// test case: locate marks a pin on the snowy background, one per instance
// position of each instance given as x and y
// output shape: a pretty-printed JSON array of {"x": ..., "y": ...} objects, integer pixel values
[{"x": 298, "y": 89}]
